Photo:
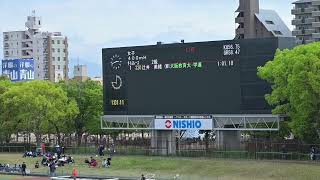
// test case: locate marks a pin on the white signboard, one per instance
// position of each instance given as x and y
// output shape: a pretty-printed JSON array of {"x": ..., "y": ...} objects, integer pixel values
[{"x": 172, "y": 124}]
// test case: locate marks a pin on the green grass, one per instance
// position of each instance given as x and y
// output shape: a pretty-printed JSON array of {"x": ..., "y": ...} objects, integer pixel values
[
  {"x": 7, "y": 177},
  {"x": 188, "y": 168}
]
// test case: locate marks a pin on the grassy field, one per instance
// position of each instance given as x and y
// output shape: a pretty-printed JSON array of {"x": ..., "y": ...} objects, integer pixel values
[{"x": 193, "y": 169}]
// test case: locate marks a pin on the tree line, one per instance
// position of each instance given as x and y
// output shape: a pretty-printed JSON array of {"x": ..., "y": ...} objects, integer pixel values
[{"x": 43, "y": 107}]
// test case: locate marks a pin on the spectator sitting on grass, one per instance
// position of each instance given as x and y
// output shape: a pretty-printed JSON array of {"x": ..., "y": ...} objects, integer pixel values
[
  {"x": 36, "y": 165},
  {"x": 93, "y": 162},
  {"x": 70, "y": 159},
  {"x": 106, "y": 163}
]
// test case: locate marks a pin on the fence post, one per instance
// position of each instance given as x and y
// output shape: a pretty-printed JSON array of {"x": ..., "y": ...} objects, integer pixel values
[{"x": 255, "y": 151}]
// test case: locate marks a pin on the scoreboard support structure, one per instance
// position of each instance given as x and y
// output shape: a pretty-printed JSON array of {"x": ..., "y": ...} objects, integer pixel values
[
  {"x": 228, "y": 129},
  {"x": 241, "y": 122}
]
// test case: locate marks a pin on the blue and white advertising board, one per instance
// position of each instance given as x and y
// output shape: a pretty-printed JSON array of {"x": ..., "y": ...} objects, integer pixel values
[
  {"x": 183, "y": 124},
  {"x": 18, "y": 69}
]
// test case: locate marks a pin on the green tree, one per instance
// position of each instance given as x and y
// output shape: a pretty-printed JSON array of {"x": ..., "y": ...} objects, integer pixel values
[
  {"x": 2, "y": 78},
  {"x": 88, "y": 96},
  {"x": 7, "y": 127},
  {"x": 295, "y": 79},
  {"x": 34, "y": 105}
]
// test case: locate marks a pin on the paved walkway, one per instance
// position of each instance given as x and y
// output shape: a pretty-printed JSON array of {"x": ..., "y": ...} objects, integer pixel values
[{"x": 33, "y": 178}]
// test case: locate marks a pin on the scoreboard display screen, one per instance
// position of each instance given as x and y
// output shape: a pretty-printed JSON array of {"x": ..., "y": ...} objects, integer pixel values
[{"x": 187, "y": 78}]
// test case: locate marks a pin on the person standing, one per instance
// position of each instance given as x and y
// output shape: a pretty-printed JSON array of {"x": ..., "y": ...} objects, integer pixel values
[
  {"x": 74, "y": 173},
  {"x": 52, "y": 168},
  {"x": 43, "y": 148},
  {"x": 23, "y": 169},
  {"x": 58, "y": 151},
  {"x": 100, "y": 150}
]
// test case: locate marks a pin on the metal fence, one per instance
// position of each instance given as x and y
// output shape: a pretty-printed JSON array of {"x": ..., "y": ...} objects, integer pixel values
[{"x": 250, "y": 150}]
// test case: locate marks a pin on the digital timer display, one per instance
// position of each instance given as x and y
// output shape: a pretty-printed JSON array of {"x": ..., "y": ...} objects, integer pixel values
[{"x": 187, "y": 78}]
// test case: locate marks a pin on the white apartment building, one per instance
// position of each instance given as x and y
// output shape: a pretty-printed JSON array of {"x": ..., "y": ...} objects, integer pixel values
[
  {"x": 48, "y": 50},
  {"x": 306, "y": 21}
]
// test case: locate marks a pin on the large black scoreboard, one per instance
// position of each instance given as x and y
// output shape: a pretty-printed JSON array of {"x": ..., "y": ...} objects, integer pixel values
[{"x": 188, "y": 78}]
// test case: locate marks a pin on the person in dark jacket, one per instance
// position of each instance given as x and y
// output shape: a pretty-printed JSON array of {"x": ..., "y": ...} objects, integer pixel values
[
  {"x": 52, "y": 168},
  {"x": 23, "y": 169}
]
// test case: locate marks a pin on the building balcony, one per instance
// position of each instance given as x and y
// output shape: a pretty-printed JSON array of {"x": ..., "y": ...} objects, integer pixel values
[
  {"x": 296, "y": 32},
  {"x": 240, "y": 31},
  {"x": 309, "y": 31},
  {"x": 298, "y": 42},
  {"x": 297, "y": 11},
  {"x": 316, "y": 13},
  {"x": 309, "y": 10},
  {"x": 315, "y": 3},
  {"x": 296, "y": 21},
  {"x": 316, "y": 35},
  {"x": 310, "y": 20},
  {"x": 302, "y": 21},
  {"x": 316, "y": 24},
  {"x": 239, "y": 20},
  {"x": 309, "y": 41}
]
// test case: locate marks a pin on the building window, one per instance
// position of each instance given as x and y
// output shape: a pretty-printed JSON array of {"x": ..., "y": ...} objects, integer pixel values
[
  {"x": 64, "y": 58},
  {"x": 58, "y": 50},
  {"x": 53, "y": 50},
  {"x": 52, "y": 41},
  {"x": 58, "y": 58},
  {"x": 64, "y": 50},
  {"x": 277, "y": 32},
  {"x": 58, "y": 67},
  {"x": 39, "y": 22},
  {"x": 53, "y": 58},
  {"x": 269, "y": 22},
  {"x": 58, "y": 41}
]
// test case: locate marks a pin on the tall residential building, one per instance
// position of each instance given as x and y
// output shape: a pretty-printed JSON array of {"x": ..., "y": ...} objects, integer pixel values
[
  {"x": 253, "y": 22},
  {"x": 306, "y": 21},
  {"x": 80, "y": 73},
  {"x": 49, "y": 50}
]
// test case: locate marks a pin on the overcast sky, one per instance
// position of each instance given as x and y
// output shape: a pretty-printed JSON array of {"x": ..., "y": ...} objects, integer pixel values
[{"x": 91, "y": 25}]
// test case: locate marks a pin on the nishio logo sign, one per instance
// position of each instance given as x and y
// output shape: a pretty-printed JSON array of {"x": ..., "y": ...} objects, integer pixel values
[{"x": 169, "y": 124}]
